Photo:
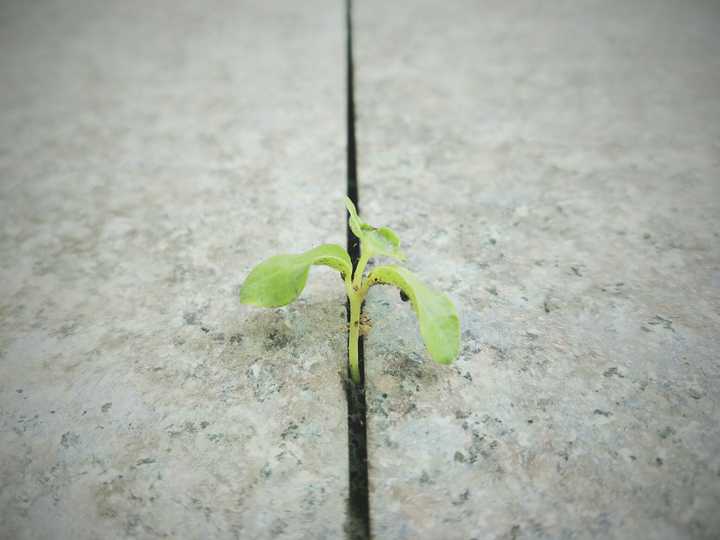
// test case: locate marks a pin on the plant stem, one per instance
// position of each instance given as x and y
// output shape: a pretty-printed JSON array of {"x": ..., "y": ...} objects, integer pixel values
[
  {"x": 356, "y": 294},
  {"x": 354, "y": 335},
  {"x": 359, "y": 269}
]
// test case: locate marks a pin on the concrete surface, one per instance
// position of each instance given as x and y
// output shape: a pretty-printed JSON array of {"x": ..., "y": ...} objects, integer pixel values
[
  {"x": 150, "y": 154},
  {"x": 555, "y": 167}
]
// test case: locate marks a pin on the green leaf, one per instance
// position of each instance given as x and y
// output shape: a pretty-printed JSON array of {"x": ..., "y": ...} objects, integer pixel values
[
  {"x": 280, "y": 279},
  {"x": 382, "y": 241},
  {"x": 356, "y": 224},
  {"x": 439, "y": 322},
  {"x": 374, "y": 241}
]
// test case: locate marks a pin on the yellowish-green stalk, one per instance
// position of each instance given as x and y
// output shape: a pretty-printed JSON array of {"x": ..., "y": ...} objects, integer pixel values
[
  {"x": 356, "y": 294},
  {"x": 354, "y": 336}
]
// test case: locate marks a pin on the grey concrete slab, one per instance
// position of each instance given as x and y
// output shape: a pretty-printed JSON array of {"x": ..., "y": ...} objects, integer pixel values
[
  {"x": 150, "y": 154},
  {"x": 555, "y": 167}
]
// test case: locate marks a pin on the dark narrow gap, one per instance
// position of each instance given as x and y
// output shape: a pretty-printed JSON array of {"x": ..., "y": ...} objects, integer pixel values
[{"x": 358, "y": 510}]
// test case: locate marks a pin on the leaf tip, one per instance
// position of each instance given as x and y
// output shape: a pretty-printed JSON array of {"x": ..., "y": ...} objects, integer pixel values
[{"x": 350, "y": 205}]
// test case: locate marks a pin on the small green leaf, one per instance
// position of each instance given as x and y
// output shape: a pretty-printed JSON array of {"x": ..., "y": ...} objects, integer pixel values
[
  {"x": 382, "y": 241},
  {"x": 356, "y": 224},
  {"x": 279, "y": 280},
  {"x": 374, "y": 241},
  {"x": 439, "y": 322}
]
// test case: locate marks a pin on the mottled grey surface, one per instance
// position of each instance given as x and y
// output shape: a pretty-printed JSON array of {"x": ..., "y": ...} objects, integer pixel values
[
  {"x": 555, "y": 167},
  {"x": 150, "y": 154}
]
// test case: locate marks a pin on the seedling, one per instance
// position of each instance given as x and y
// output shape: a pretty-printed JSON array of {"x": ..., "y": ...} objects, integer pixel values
[{"x": 280, "y": 279}]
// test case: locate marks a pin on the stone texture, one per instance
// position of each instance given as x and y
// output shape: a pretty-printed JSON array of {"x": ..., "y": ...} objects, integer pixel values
[
  {"x": 150, "y": 154},
  {"x": 555, "y": 167}
]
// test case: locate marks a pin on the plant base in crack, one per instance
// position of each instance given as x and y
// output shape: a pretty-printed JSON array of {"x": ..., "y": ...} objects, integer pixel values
[{"x": 280, "y": 279}]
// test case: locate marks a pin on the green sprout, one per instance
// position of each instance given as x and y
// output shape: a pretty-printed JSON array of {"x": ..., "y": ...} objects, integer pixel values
[{"x": 280, "y": 279}]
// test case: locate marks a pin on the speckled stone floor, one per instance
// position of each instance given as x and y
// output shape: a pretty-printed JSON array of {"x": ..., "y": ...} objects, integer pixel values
[
  {"x": 150, "y": 154},
  {"x": 555, "y": 167}
]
